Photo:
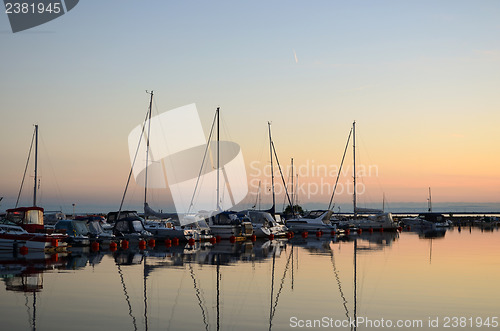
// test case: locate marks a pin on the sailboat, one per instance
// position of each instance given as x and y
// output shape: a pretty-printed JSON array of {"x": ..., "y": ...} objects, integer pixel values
[
  {"x": 160, "y": 225},
  {"x": 429, "y": 219},
  {"x": 23, "y": 226},
  {"x": 264, "y": 222},
  {"x": 377, "y": 219},
  {"x": 225, "y": 224}
]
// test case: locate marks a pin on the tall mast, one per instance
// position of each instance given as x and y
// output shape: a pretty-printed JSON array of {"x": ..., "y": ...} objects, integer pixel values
[
  {"x": 354, "y": 158},
  {"x": 272, "y": 169},
  {"x": 147, "y": 149},
  {"x": 218, "y": 131},
  {"x": 293, "y": 203},
  {"x": 36, "y": 164},
  {"x": 430, "y": 202}
]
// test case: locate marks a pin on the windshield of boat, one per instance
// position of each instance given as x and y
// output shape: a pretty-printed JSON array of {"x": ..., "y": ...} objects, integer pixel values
[
  {"x": 261, "y": 218},
  {"x": 314, "y": 214},
  {"x": 137, "y": 225}
]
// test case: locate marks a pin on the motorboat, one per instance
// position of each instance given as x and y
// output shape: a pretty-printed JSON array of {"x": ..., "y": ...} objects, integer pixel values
[
  {"x": 77, "y": 231},
  {"x": 315, "y": 220},
  {"x": 263, "y": 224},
  {"x": 23, "y": 226}
]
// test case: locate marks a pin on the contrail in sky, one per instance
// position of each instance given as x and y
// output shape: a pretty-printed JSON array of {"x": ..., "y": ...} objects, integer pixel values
[{"x": 295, "y": 56}]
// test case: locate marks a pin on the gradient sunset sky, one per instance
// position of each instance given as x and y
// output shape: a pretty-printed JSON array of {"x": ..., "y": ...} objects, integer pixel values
[{"x": 420, "y": 78}]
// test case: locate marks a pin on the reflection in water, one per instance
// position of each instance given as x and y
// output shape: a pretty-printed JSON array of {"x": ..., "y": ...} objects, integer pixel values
[{"x": 205, "y": 286}]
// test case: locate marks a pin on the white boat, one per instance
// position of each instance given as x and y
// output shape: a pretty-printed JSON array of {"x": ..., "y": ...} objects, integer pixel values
[
  {"x": 377, "y": 219},
  {"x": 263, "y": 224},
  {"x": 315, "y": 220},
  {"x": 24, "y": 227}
]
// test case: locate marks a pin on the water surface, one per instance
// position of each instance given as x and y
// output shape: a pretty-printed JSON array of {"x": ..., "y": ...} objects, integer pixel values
[{"x": 278, "y": 285}]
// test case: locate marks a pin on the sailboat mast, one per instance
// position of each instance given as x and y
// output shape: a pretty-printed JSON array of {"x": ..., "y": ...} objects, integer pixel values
[
  {"x": 36, "y": 164},
  {"x": 272, "y": 169},
  {"x": 430, "y": 201},
  {"x": 354, "y": 172},
  {"x": 293, "y": 203},
  {"x": 218, "y": 136},
  {"x": 147, "y": 150}
]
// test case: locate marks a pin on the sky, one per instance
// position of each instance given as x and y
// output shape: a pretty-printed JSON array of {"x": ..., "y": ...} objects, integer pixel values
[{"x": 420, "y": 78}]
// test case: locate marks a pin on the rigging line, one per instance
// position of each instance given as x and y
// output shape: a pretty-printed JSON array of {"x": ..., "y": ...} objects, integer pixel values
[
  {"x": 127, "y": 297},
  {"x": 28, "y": 310},
  {"x": 34, "y": 310},
  {"x": 198, "y": 296},
  {"x": 218, "y": 291},
  {"x": 145, "y": 297},
  {"x": 283, "y": 179},
  {"x": 132, "y": 166},
  {"x": 281, "y": 285},
  {"x": 202, "y": 163},
  {"x": 340, "y": 170},
  {"x": 339, "y": 284},
  {"x": 25, "y": 169},
  {"x": 59, "y": 192},
  {"x": 272, "y": 290}
]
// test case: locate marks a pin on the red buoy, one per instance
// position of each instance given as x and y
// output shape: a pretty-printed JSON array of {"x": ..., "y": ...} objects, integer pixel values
[
  {"x": 191, "y": 241},
  {"x": 168, "y": 242},
  {"x": 347, "y": 232},
  {"x": 381, "y": 229},
  {"x": 55, "y": 242},
  {"x": 23, "y": 250},
  {"x": 113, "y": 246},
  {"x": 151, "y": 243},
  {"x": 213, "y": 240},
  {"x": 232, "y": 239},
  {"x": 360, "y": 231},
  {"x": 271, "y": 236},
  {"x": 318, "y": 234},
  {"x": 95, "y": 246},
  {"x": 400, "y": 228},
  {"x": 333, "y": 233},
  {"x": 217, "y": 238},
  {"x": 370, "y": 230},
  {"x": 288, "y": 235},
  {"x": 142, "y": 244},
  {"x": 253, "y": 238},
  {"x": 305, "y": 234},
  {"x": 175, "y": 241},
  {"x": 125, "y": 244}
]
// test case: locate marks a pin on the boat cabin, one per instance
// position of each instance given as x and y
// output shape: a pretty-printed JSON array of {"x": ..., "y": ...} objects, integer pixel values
[
  {"x": 29, "y": 218},
  {"x": 113, "y": 216}
]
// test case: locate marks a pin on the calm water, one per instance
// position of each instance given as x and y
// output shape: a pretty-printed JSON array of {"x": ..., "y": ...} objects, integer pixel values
[{"x": 279, "y": 285}]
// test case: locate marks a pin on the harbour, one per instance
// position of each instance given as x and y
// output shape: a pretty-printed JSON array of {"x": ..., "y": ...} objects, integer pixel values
[{"x": 257, "y": 285}]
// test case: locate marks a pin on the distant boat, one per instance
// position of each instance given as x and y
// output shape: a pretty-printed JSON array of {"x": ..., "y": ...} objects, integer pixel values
[{"x": 23, "y": 226}]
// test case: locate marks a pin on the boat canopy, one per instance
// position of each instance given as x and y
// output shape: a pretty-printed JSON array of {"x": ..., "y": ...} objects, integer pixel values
[{"x": 25, "y": 215}]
